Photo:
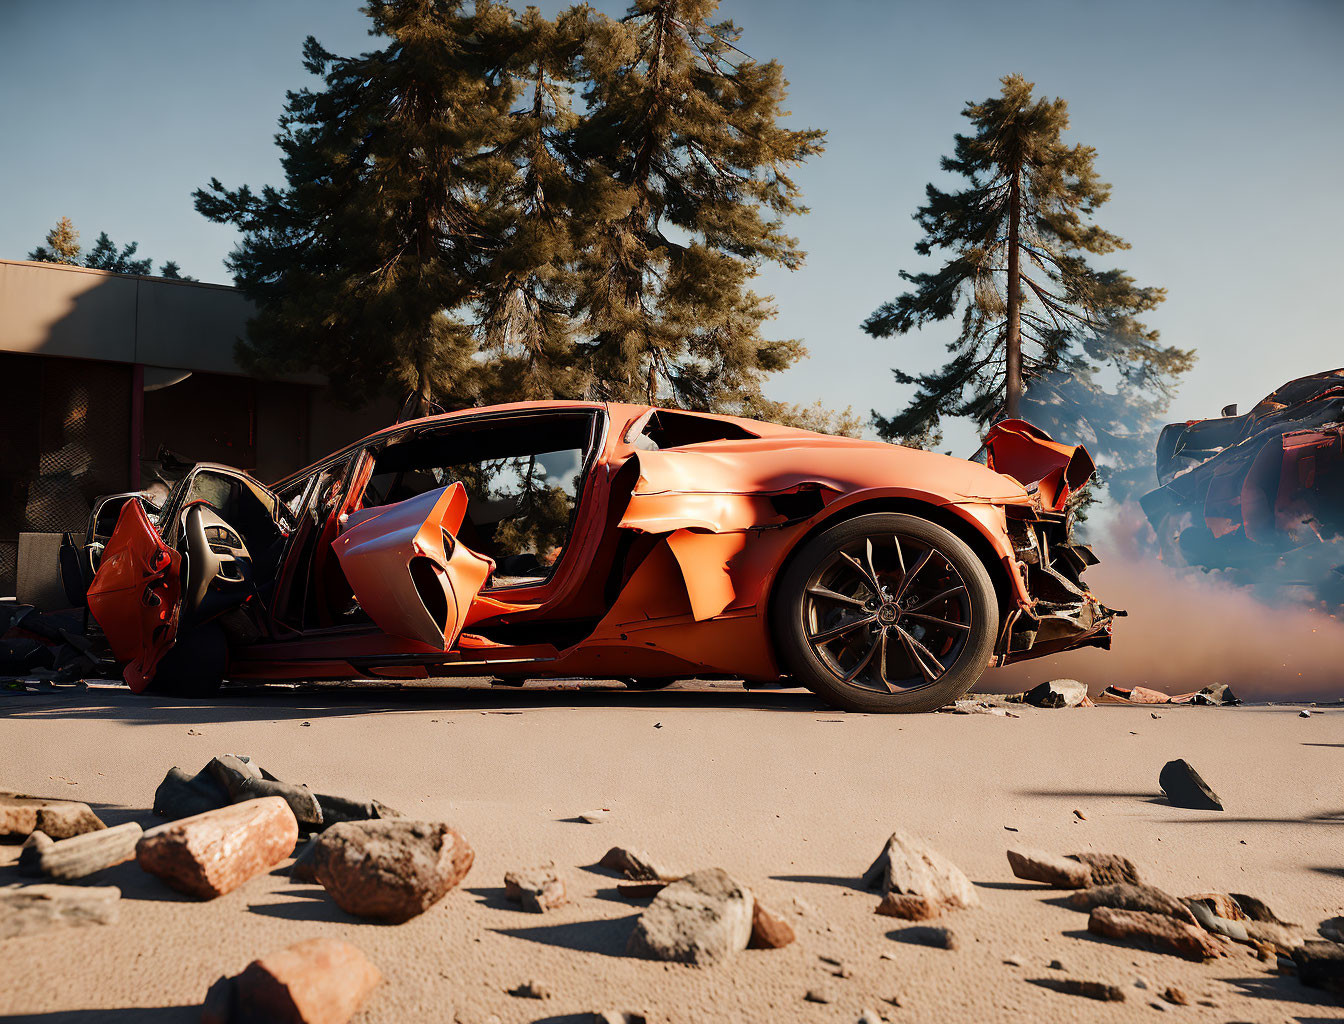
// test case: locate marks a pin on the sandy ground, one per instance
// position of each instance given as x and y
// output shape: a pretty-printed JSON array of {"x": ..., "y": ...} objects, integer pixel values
[{"x": 791, "y": 797}]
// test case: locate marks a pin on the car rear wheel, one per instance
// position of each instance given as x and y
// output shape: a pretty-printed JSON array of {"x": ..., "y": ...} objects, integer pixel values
[{"x": 886, "y": 613}]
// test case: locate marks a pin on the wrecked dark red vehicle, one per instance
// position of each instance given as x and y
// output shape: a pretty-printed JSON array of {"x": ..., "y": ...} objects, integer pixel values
[
  {"x": 611, "y": 541},
  {"x": 1261, "y": 494}
]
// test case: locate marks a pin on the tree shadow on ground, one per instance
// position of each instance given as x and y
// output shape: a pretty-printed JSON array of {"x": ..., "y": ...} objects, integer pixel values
[
  {"x": 122, "y": 1015},
  {"x": 607, "y": 936}
]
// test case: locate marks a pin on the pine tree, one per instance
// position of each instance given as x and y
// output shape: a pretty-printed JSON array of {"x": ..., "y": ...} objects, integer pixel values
[
  {"x": 526, "y": 286},
  {"x": 106, "y": 256},
  {"x": 363, "y": 265},
  {"x": 1043, "y": 333},
  {"x": 62, "y": 245},
  {"x": 684, "y": 198}
]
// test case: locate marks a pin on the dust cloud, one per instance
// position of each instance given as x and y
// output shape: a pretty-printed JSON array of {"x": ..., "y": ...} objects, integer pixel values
[{"x": 1187, "y": 629}]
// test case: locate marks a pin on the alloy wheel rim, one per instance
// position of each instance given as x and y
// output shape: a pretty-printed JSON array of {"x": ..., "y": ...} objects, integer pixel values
[{"x": 888, "y": 613}]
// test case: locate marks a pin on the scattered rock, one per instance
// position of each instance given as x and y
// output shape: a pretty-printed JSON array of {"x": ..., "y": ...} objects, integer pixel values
[
  {"x": 22, "y": 815},
  {"x": 531, "y": 990},
  {"x": 390, "y": 869},
  {"x": 243, "y": 780},
  {"x": 908, "y": 867},
  {"x": 1057, "y": 693},
  {"x": 1142, "y": 983},
  {"x": 768, "y": 929},
  {"x": 213, "y": 853},
  {"x": 1156, "y": 931},
  {"x": 1079, "y": 814},
  {"x": 1154, "y": 716},
  {"x": 927, "y": 935},
  {"x": 1055, "y": 965},
  {"x": 635, "y": 865},
  {"x": 1280, "y": 938},
  {"x": 317, "y": 981},
  {"x": 1098, "y": 990},
  {"x": 28, "y": 909},
  {"x": 1146, "y": 898},
  {"x": 1321, "y": 965},
  {"x": 871, "y": 1017},
  {"x": 1304, "y": 714},
  {"x": 1014, "y": 961},
  {"x": 183, "y": 796},
  {"x": 537, "y": 889},
  {"x": 339, "y": 808},
  {"x": 1184, "y": 787},
  {"x": 702, "y": 919},
  {"x": 817, "y": 995},
  {"x": 79, "y": 856},
  {"x": 595, "y": 817},
  {"x": 1109, "y": 868},
  {"x": 1039, "y": 866},
  {"x": 1175, "y": 996},
  {"x": 909, "y": 908},
  {"x": 1218, "y": 903},
  {"x": 843, "y": 971}
]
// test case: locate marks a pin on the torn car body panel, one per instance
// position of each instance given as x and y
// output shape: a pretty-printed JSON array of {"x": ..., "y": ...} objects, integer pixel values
[
  {"x": 1261, "y": 494},
  {"x": 407, "y": 570},
  {"x": 572, "y": 538},
  {"x": 136, "y": 593}
]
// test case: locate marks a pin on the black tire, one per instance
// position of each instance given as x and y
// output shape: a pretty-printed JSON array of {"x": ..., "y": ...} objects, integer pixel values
[
  {"x": 195, "y": 665},
  {"x": 844, "y": 607},
  {"x": 649, "y": 684}
]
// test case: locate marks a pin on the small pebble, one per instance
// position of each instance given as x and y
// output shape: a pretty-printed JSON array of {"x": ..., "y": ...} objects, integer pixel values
[
  {"x": 305, "y": 724},
  {"x": 843, "y": 972},
  {"x": 1141, "y": 983},
  {"x": 1304, "y": 714},
  {"x": 1055, "y": 965},
  {"x": 1014, "y": 961},
  {"x": 1079, "y": 814},
  {"x": 531, "y": 990},
  {"x": 815, "y": 995},
  {"x": 1175, "y": 996},
  {"x": 1156, "y": 715}
]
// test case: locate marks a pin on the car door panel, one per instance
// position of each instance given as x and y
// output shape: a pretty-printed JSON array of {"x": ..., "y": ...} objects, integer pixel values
[
  {"x": 136, "y": 595},
  {"x": 408, "y": 571}
]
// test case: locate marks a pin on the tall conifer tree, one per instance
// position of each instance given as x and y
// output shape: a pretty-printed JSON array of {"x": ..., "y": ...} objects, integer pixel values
[
  {"x": 688, "y": 185},
  {"x": 62, "y": 245},
  {"x": 363, "y": 265},
  {"x": 1043, "y": 333}
]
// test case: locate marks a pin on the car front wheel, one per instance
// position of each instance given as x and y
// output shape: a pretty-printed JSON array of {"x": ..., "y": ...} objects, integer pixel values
[{"x": 886, "y": 613}]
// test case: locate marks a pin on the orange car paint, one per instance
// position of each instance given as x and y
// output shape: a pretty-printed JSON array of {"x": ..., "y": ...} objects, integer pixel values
[{"x": 698, "y": 603}]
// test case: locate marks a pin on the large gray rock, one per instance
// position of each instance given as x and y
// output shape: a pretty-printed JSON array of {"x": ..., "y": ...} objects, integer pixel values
[
  {"x": 184, "y": 796},
  {"x": 907, "y": 866},
  {"x": 29, "y": 909},
  {"x": 701, "y": 919},
  {"x": 391, "y": 870}
]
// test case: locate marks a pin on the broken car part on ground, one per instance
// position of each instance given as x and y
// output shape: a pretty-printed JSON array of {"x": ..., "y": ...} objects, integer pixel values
[{"x": 617, "y": 541}]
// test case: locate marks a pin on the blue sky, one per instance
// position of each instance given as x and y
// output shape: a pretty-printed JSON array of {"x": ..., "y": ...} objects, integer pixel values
[{"x": 1219, "y": 124}]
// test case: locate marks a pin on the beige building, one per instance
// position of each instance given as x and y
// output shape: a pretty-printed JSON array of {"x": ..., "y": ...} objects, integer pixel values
[{"x": 110, "y": 381}]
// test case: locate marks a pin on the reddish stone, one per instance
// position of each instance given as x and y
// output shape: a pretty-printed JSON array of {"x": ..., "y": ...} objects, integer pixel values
[
  {"x": 60, "y": 819},
  {"x": 768, "y": 929},
  {"x": 210, "y": 854},
  {"x": 317, "y": 981},
  {"x": 909, "y": 908},
  {"x": 1039, "y": 866},
  {"x": 1156, "y": 931}
]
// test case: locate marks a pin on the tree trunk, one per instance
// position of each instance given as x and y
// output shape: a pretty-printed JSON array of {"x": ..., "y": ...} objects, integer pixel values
[{"x": 1013, "y": 340}]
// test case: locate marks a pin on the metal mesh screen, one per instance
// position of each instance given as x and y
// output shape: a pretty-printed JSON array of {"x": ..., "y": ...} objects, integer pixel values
[{"x": 66, "y": 440}]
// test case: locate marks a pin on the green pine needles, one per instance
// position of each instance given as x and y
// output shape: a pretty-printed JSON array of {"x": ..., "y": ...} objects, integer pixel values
[
  {"x": 1043, "y": 334},
  {"x": 498, "y": 207}
]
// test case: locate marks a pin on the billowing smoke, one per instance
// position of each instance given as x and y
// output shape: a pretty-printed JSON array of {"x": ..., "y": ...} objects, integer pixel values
[{"x": 1188, "y": 628}]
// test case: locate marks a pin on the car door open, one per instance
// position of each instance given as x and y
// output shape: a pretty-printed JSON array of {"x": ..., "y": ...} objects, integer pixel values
[{"x": 406, "y": 568}]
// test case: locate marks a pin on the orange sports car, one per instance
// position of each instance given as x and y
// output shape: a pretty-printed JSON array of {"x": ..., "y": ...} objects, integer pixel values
[{"x": 563, "y": 539}]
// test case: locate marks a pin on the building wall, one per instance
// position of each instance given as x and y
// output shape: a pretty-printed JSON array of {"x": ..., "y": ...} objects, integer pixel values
[{"x": 100, "y": 373}]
